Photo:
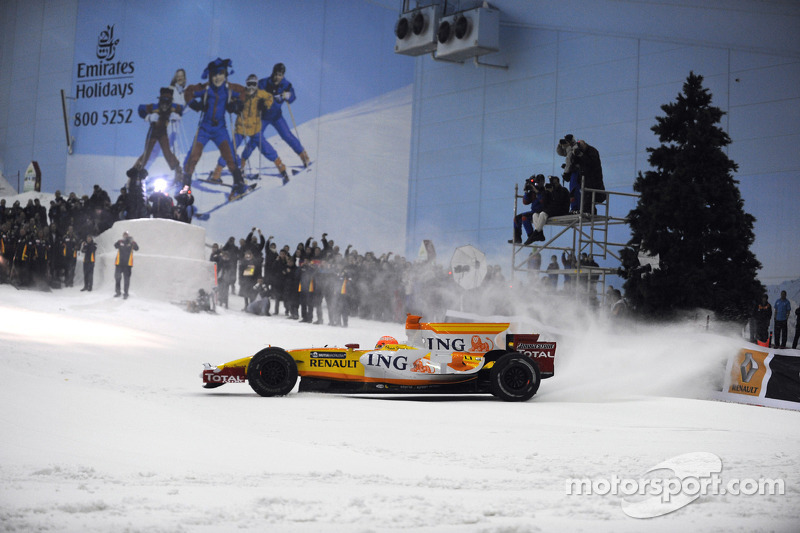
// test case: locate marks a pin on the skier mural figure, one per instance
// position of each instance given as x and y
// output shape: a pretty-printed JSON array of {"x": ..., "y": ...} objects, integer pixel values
[
  {"x": 248, "y": 127},
  {"x": 213, "y": 100},
  {"x": 159, "y": 116},
  {"x": 282, "y": 91}
]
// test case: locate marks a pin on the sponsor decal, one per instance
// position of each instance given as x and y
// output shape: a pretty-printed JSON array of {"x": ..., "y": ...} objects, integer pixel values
[
  {"x": 478, "y": 344},
  {"x": 763, "y": 378},
  {"x": 221, "y": 378},
  {"x": 536, "y": 346},
  {"x": 331, "y": 363},
  {"x": 748, "y": 372},
  {"x": 537, "y": 355},
  {"x": 398, "y": 362},
  {"x": 107, "y": 78},
  {"x": 537, "y": 350},
  {"x": 107, "y": 44},
  {"x": 327, "y": 355},
  {"x": 420, "y": 365}
]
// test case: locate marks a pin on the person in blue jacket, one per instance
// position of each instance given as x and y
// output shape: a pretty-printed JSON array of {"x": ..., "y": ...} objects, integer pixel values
[
  {"x": 530, "y": 197},
  {"x": 213, "y": 100},
  {"x": 282, "y": 91},
  {"x": 782, "y": 308}
]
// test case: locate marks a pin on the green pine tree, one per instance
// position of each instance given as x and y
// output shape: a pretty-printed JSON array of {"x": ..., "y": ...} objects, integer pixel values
[{"x": 691, "y": 214}]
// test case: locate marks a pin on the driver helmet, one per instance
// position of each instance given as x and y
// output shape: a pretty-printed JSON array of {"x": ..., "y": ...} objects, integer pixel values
[{"x": 383, "y": 341}]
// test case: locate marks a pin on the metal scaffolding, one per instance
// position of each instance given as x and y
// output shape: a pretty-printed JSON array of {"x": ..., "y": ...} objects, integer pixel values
[{"x": 577, "y": 234}]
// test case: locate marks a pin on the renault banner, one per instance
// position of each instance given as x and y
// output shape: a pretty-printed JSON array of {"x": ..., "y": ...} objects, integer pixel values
[{"x": 760, "y": 376}]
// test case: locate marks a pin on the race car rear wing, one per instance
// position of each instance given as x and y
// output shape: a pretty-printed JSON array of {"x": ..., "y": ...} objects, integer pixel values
[{"x": 543, "y": 353}]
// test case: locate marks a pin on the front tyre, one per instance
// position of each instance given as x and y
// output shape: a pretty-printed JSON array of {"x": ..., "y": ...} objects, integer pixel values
[
  {"x": 514, "y": 378},
  {"x": 272, "y": 372}
]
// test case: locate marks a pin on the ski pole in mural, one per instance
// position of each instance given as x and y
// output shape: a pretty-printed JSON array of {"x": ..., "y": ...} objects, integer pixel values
[
  {"x": 213, "y": 99},
  {"x": 177, "y": 84}
]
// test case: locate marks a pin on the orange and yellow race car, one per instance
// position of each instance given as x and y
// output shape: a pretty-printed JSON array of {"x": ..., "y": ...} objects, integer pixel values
[{"x": 448, "y": 358}]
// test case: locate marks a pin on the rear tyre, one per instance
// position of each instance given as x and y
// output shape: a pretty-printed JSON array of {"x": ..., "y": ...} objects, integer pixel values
[
  {"x": 514, "y": 378},
  {"x": 272, "y": 372}
]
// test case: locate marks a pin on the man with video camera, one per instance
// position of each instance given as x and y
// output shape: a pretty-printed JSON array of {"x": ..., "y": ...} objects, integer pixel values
[
  {"x": 124, "y": 262},
  {"x": 536, "y": 196},
  {"x": 524, "y": 219}
]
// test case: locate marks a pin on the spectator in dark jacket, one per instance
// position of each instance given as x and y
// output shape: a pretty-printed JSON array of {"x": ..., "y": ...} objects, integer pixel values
[
  {"x": 70, "y": 244},
  {"x": 249, "y": 268},
  {"x": 88, "y": 249},
  {"x": 184, "y": 205},
  {"x": 124, "y": 262},
  {"x": 762, "y": 315}
]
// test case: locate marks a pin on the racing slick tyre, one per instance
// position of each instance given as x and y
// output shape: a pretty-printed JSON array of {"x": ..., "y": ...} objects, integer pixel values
[
  {"x": 514, "y": 377},
  {"x": 272, "y": 372}
]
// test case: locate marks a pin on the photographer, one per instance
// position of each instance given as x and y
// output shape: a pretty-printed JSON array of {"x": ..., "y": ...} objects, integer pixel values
[
  {"x": 136, "y": 196},
  {"x": 530, "y": 197},
  {"x": 581, "y": 160},
  {"x": 124, "y": 262},
  {"x": 544, "y": 194},
  {"x": 560, "y": 198},
  {"x": 184, "y": 202},
  {"x": 260, "y": 303}
]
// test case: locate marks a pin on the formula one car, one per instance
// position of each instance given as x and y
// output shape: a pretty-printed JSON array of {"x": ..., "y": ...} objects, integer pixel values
[{"x": 449, "y": 358}]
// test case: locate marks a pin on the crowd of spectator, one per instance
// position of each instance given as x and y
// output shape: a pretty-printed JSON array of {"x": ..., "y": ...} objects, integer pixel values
[
  {"x": 40, "y": 248},
  {"x": 314, "y": 282},
  {"x": 320, "y": 283},
  {"x": 39, "y": 245}
]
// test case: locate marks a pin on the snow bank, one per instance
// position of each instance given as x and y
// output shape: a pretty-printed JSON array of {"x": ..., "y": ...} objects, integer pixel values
[{"x": 171, "y": 263}]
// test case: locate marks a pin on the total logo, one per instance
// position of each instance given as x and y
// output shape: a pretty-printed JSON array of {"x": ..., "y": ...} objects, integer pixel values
[
  {"x": 538, "y": 355},
  {"x": 220, "y": 378},
  {"x": 537, "y": 350}
]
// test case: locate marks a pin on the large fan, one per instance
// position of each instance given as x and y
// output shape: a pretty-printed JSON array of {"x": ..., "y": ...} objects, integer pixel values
[{"x": 468, "y": 266}]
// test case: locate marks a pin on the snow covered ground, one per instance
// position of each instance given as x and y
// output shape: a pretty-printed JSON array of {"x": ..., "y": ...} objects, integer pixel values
[{"x": 106, "y": 428}]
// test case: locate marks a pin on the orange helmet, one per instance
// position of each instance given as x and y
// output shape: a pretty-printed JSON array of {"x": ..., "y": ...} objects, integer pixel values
[{"x": 383, "y": 341}]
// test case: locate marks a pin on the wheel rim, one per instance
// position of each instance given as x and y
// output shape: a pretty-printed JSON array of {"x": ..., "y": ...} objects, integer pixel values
[
  {"x": 517, "y": 377},
  {"x": 273, "y": 373}
]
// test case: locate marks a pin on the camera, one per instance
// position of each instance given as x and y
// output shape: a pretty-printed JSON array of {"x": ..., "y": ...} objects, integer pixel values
[{"x": 529, "y": 186}]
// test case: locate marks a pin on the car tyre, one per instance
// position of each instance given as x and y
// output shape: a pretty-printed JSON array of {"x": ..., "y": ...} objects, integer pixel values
[
  {"x": 514, "y": 377},
  {"x": 272, "y": 372}
]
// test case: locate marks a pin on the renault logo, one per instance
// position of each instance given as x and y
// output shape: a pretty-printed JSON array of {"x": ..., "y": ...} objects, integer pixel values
[{"x": 748, "y": 368}]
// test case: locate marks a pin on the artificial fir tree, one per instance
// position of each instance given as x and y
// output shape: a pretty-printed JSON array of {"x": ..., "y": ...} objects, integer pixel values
[{"x": 691, "y": 214}]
